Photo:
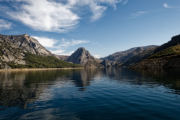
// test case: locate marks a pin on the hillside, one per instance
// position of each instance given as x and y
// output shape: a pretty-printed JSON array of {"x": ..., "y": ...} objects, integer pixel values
[
  {"x": 23, "y": 51},
  {"x": 131, "y": 56},
  {"x": 166, "y": 57}
]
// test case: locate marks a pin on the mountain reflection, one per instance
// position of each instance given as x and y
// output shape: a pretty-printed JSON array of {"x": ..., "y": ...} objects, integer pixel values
[
  {"x": 83, "y": 78},
  {"x": 21, "y": 88},
  {"x": 170, "y": 79}
]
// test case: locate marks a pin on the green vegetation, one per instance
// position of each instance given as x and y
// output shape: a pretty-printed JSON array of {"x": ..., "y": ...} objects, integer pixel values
[
  {"x": 32, "y": 61},
  {"x": 171, "y": 51},
  {"x": 35, "y": 61},
  {"x": 13, "y": 65}
]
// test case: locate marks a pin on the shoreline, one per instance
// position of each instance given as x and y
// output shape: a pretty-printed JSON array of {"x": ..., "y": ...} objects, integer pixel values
[{"x": 36, "y": 69}]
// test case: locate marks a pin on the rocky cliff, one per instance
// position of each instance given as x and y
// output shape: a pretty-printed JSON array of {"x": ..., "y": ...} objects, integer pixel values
[
  {"x": 83, "y": 57},
  {"x": 25, "y": 51},
  {"x": 14, "y": 47}
]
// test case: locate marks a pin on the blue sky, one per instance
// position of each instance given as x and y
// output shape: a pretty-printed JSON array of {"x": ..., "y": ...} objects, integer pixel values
[{"x": 101, "y": 26}]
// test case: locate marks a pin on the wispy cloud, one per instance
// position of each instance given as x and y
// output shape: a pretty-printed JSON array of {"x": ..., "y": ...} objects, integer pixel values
[
  {"x": 97, "y": 7},
  {"x": 46, "y": 42},
  {"x": 59, "y": 46},
  {"x": 166, "y": 5},
  {"x": 62, "y": 52},
  {"x": 69, "y": 43},
  {"x": 57, "y": 15},
  {"x": 138, "y": 13},
  {"x": 4, "y": 24},
  {"x": 45, "y": 15}
]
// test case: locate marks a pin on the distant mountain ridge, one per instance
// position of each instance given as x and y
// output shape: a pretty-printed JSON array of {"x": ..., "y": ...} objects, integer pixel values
[
  {"x": 131, "y": 56},
  {"x": 23, "y": 51}
]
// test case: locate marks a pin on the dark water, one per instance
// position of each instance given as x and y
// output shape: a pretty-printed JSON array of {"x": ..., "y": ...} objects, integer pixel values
[{"x": 89, "y": 95}]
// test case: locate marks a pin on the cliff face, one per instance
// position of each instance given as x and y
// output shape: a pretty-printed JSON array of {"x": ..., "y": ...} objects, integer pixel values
[
  {"x": 24, "y": 51},
  {"x": 13, "y": 48},
  {"x": 164, "y": 57},
  {"x": 83, "y": 57}
]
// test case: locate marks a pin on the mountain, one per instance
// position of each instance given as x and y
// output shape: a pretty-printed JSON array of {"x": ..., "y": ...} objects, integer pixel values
[
  {"x": 25, "y": 51},
  {"x": 83, "y": 57},
  {"x": 131, "y": 56},
  {"x": 165, "y": 57}
]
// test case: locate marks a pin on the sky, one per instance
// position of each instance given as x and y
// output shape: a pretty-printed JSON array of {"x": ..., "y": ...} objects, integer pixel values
[{"x": 101, "y": 26}]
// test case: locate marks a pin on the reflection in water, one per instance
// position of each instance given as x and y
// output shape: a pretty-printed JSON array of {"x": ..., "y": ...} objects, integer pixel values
[
  {"x": 20, "y": 88},
  {"x": 89, "y": 94},
  {"x": 154, "y": 78},
  {"x": 82, "y": 78}
]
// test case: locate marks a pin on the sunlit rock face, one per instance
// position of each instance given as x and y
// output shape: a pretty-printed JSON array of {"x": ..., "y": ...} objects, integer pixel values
[
  {"x": 83, "y": 57},
  {"x": 14, "y": 48}
]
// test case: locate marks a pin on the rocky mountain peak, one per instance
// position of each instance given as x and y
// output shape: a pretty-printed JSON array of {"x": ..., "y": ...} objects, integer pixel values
[
  {"x": 26, "y": 43},
  {"x": 81, "y": 56},
  {"x": 14, "y": 48}
]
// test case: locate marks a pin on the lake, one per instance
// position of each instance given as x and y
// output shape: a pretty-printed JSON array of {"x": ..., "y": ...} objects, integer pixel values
[{"x": 93, "y": 94}]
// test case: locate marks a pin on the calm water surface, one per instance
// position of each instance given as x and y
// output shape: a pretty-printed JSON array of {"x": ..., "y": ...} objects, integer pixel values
[{"x": 109, "y": 94}]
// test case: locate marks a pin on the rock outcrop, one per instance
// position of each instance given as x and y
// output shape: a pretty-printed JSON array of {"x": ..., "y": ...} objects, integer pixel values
[
  {"x": 14, "y": 47},
  {"x": 83, "y": 57},
  {"x": 25, "y": 51}
]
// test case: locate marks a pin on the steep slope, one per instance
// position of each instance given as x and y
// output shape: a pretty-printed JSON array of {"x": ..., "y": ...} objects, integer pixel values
[
  {"x": 164, "y": 57},
  {"x": 173, "y": 42},
  {"x": 83, "y": 57},
  {"x": 13, "y": 48},
  {"x": 25, "y": 51},
  {"x": 131, "y": 56}
]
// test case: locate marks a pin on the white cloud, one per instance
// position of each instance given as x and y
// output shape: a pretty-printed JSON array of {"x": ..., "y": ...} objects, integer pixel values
[
  {"x": 5, "y": 24},
  {"x": 97, "y": 7},
  {"x": 165, "y": 5},
  {"x": 66, "y": 43},
  {"x": 46, "y": 42},
  {"x": 57, "y": 15},
  {"x": 45, "y": 15},
  {"x": 97, "y": 12},
  {"x": 59, "y": 46},
  {"x": 62, "y": 52},
  {"x": 58, "y": 52}
]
